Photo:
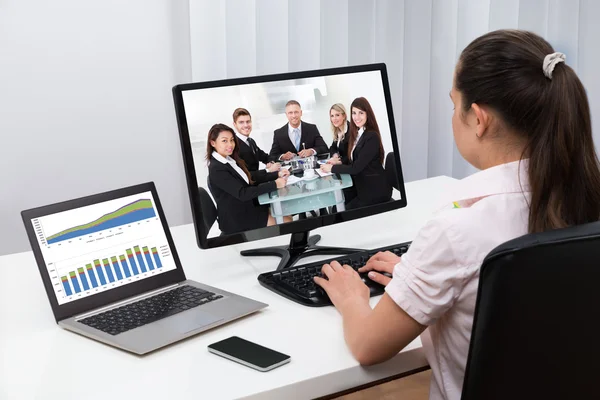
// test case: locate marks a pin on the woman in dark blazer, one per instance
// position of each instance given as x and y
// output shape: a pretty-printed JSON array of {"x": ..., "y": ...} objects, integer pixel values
[
  {"x": 233, "y": 187},
  {"x": 365, "y": 158},
  {"x": 340, "y": 128}
]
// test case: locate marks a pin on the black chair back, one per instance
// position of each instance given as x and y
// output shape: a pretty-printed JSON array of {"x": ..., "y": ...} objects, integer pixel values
[
  {"x": 207, "y": 208},
  {"x": 535, "y": 331},
  {"x": 390, "y": 170}
]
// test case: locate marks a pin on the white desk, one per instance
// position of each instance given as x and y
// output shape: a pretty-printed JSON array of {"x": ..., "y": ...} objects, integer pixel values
[{"x": 42, "y": 361}]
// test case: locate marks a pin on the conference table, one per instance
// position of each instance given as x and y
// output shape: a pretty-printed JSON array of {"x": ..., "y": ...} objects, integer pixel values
[
  {"x": 307, "y": 193},
  {"x": 39, "y": 360}
]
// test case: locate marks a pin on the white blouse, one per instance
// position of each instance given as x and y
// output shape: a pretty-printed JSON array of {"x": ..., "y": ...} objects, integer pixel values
[
  {"x": 360, "y": 132},
  {"x": 436, "y": 280},
  {"x": 231, "y": 162}
]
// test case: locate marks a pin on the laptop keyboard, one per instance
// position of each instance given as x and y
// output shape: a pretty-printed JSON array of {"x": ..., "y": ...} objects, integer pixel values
[{"x": 143, "y": 312}]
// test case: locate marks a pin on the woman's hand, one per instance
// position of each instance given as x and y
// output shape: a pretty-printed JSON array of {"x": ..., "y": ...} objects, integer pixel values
[
  {"x": 281, "y": 182},
  {"x": 381, "y": 262},
  {"x": 272, "y": 167},
  {"x": 334, "y": 160},
  {"x": 326, "y": 167},
  {"x": 284, "y": 173},
  {"x": 343, "y": 286}
]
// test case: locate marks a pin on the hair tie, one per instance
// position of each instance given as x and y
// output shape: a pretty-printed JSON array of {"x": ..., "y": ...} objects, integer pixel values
[{"x": 550, "y": 62}]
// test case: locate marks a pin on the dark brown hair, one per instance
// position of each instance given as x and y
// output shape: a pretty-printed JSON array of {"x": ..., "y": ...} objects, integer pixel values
[
  {"x": 503, "y": 70},
  {"x": 371, "y": 125},
  {"x": 213, "y": 134},
  {"x": 238, "y": 112}
]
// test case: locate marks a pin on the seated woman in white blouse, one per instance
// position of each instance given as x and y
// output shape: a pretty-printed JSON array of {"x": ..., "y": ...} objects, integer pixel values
[
  {"x": 522, "y": 117},
  {"x": 234, "y": 188}
]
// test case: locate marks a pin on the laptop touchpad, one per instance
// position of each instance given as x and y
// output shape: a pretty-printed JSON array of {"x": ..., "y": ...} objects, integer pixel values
[{"x": 189, "y": 321}]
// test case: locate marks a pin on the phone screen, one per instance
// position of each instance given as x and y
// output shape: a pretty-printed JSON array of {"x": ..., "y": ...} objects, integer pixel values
[{"x": 248, "y": 352}]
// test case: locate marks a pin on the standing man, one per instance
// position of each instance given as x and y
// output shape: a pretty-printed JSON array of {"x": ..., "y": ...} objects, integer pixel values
[
  {"x": 296, "y": 137},
  {"x": 249, "y": 151}
]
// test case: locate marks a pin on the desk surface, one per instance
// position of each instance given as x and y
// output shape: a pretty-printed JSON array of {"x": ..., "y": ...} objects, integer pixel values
[{"x": 40, "y": 360}]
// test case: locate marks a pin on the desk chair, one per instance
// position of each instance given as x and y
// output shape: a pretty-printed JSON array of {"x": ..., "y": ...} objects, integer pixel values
[
  {"x": 535, "y": 330},
  {"x": 208, "y": 209},
  {"x": 390, "y": 170}
]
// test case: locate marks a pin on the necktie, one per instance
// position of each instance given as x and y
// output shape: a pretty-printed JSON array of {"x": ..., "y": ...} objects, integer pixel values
[
  {"x": 296, "y": 132},
  {"x": 252, "y": 145}
]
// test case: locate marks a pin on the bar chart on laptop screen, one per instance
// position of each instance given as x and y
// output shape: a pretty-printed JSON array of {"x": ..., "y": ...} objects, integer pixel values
[{"x": 99, "y": 247}]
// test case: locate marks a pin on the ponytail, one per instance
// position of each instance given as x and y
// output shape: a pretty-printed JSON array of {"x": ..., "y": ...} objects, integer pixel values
[
  {"x": 563, "y": 167},
  {"x": 507, "y": 70}
]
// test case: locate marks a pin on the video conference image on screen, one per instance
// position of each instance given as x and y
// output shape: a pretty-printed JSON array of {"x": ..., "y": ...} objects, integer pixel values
[{"x": 274, "y": 152}]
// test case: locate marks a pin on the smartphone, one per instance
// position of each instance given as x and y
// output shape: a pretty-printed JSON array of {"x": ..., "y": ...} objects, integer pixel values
[{"x": 249, "y": 354}]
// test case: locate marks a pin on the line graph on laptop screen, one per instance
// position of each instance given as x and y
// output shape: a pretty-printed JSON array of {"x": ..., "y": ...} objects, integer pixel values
[{"x": 98, "y": 247}]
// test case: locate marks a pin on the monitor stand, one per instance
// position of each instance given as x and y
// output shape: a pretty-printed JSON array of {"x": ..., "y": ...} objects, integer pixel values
[{"x": 301, "y": 245}]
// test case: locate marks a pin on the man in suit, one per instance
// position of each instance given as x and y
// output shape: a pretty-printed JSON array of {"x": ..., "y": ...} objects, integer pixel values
[
  {"x": 249, "y": 151},
  {"x": 296, "y": 137}
]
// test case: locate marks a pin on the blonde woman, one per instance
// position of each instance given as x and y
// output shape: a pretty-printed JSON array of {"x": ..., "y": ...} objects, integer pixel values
[{"x": 339, "y": 127}]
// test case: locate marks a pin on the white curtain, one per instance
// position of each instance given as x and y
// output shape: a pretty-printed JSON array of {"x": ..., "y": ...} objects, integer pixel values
[{"x": 419, "y": 40}]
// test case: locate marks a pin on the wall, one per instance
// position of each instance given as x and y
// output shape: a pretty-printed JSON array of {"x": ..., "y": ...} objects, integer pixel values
[
  {"x": 419, "y": 40},
  {"x": 85, "y": 103}
]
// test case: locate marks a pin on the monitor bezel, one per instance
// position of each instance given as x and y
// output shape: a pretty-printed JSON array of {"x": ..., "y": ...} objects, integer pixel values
[
  {"x": 90, "y": 303},
  {"x": 304, "y": 225}
]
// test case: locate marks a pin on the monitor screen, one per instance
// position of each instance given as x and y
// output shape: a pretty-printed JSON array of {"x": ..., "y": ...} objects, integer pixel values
[
  {"x": 103, "y": 246},
  {"x": 286, "y": 153}
]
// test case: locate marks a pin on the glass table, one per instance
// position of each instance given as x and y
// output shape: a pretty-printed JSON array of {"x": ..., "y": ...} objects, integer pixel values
[{"x": 307, "y": 195}]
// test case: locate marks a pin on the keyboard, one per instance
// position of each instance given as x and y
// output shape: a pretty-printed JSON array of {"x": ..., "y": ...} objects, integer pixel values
[
  {"x": 297, "y": 283},
  {"x": 150, "y": 309}
]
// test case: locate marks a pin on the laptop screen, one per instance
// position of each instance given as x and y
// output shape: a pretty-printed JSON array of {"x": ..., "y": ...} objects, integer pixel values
[{"x": 103, "y": 246}]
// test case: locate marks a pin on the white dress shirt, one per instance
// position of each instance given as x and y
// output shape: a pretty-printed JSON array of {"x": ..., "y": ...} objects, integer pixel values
[
  {"x": 243, "y": 138},
  {"x": 360, "y": 132},
  {"x": 293, "y": 138},
  {"x": 231, "y": 162},
  {"x": 436, "y": 280}
]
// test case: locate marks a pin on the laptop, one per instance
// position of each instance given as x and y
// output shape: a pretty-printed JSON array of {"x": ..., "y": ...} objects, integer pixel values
[{"x": 112, "y": 273}]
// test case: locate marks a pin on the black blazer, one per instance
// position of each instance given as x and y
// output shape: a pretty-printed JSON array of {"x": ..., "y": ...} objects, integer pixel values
[
  {"x": 310, "y": 136},
  {"x": 368, "y": 175},
  {"x": 342, "y": 149},
  {"x": 236, "y": 208},
  {"x": 250, "y": 157}
]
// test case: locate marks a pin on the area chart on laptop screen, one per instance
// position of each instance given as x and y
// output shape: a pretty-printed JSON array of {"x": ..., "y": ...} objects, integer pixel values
[
  {"x": 137, "y": 211},
  {"x": 103, "y": 246}
]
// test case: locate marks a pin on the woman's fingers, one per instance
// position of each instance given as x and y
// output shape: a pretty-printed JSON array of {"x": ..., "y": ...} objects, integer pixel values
[
  {"x": 381, "y": 266},
  {"x": 379, "y": 278}
]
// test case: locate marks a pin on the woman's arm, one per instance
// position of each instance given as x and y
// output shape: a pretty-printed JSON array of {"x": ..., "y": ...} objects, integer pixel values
[
  {"x": 368, "y": 151},
  {"x": 373, "y": 335},
  {"x": 376, "y": 335},
  {"x": 333, "y": 149},
  {"x": 262, "y": 175},
  {"x": 224, "y": 180}
]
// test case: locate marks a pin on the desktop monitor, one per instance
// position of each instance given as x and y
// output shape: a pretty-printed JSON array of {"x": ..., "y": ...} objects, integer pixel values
[{"x": 287, "y": 121}]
